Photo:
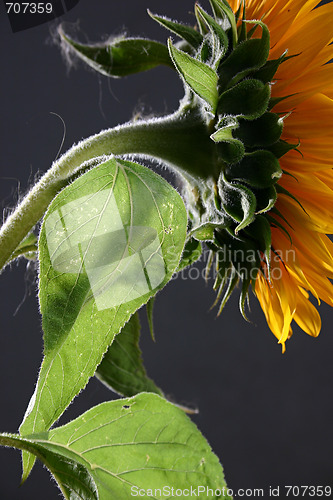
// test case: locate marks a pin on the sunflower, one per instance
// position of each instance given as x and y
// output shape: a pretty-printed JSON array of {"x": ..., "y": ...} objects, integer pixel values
[
  {"x": 305, "y": 83},
  {"x": 252, "y": 143}
]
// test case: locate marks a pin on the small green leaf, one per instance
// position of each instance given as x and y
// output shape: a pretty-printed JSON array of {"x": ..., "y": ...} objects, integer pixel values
[
  {"x": 248, "y": 99},
  {"x": 119, "y": 448},
  {"x": 121, "y": 369},
  {"x": 259, "y": 169},
  {"x": 264, "y": 131},
  {"x": 199, "y": 76},
  {"x": 237, "y": 201},
  {"x": 121, "y": 57},
  {"x": 245, "y": 58},
  {"x": 192, "y": 252},
  {"x": 187, "y": 33},
  {"x": 108, "y": 243}
]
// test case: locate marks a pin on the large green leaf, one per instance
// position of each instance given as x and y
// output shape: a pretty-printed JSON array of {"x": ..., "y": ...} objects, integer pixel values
[
  {"x": 121, "y": 57},
  {"x": 120, "y": 448},
  {"x": 108, "y": 243},
  {"x": 122, "y": 368}
]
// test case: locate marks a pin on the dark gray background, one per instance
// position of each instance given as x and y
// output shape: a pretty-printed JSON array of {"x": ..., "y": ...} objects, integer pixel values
[{"x": 267, "y": 416}]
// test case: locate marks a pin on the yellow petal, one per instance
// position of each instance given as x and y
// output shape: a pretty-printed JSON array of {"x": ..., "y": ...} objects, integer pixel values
[{"x": 307, "y": 316}]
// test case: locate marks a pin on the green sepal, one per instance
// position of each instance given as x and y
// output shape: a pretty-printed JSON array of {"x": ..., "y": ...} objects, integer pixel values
[
  {"x": 121, "y": 57},
  {"x": 187, "y": 33},
  {"x": 274, "y": 222},
  {"x": 260, "y": 231},
  {"x": 150, "y": 316},
  {"x": 285, "y": 172},
  {"x": 222, "y": 134},
  {"x": 242, "y": 34},
  {"x": 276, "y": 211},
  {"x": 247, "y": 270},
  {"x": 228, "y": 122},
  {"x": 259, "y": 169},
  {"x": 266, "y": 199},
  {"x": 237, "y": 201},
  {"x": 274, "y": 101},
  {"x": 264, "y": 131},
  {"x": 202, "y": 25},
  {"x": 192, "y": 252},
  {"x": 282, "y": 190},
  {"x": 210, "y": 259},
  {"x": 245, "y": 58},
  {"x": 224, "y": 129},
  {"x": 221, "y": 267},
  {"x": 246, "y": 282},
  {"x": 200, "y": 77},
  {"x": 206, "y": 52},
  {"x": 231, "y": 151},
  {"x": 222, "y": 10},
  {"x": 233, "y": 280},
  {"x": 280, "y": 148},
  {"x": 219, "y": 38},
  {"x": 239, "y": 11},
  {"x": 205, "y": 231},
  {"x": 267, "y": 72},
  {"x": 248, "y": 274},
  {"x": 248, "y": 99}
]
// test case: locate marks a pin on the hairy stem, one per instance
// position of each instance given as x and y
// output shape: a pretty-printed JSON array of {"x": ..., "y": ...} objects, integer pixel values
[{"x": 180, "y": 140}]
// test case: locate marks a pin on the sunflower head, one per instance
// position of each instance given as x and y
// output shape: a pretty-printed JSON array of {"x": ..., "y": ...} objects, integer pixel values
[
  {"x": 228, "y": 77},
  {"x": 252, "y": 141}
]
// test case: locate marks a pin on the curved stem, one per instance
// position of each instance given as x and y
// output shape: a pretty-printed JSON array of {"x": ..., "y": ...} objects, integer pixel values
[{"x": 180, "y": 140}]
